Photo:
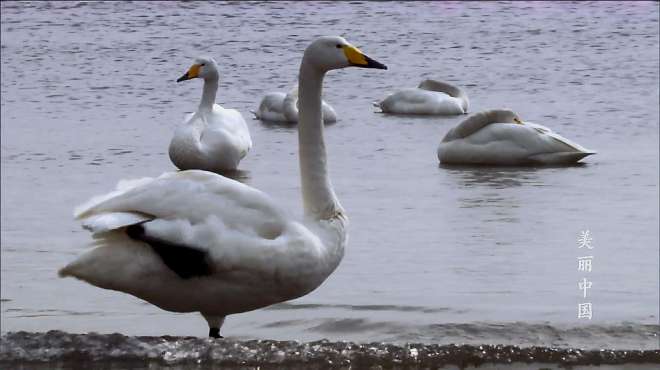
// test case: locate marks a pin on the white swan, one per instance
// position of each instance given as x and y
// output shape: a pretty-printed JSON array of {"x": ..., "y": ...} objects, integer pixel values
[
  {"x": 281, "y": 107},
  {"x": 499, "y": 137},
  {"x": 196, "y": 241},
  {"x": 430, "y": 98},
  {"x": 213, "y": 138}
]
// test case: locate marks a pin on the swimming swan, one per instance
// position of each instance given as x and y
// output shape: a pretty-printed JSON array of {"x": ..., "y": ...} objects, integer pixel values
[
  {"x": 430, "y": 97},
  {"x": 196, "y": 241},
  {"x": 281, "y": 107},
  {"x": 499, "y": 137},
  {"x": 213, "y": 138}
]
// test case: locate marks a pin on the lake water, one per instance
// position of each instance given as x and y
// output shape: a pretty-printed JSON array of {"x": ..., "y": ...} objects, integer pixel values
[{"x": 436, "y": 254}]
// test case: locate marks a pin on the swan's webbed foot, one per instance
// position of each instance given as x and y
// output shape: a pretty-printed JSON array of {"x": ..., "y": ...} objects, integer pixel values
[{"x": 215, "y": 333}]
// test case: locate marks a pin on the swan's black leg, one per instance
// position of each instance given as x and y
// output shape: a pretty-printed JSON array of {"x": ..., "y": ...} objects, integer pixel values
[
  {"x": 215, "y": 333},
  {"x": 215, "y": 323}
]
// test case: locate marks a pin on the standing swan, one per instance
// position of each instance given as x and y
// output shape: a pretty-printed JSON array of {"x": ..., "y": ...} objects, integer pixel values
[
  {"x": 430, "y": 97},
  {"x": 281, "y": 107},
  {"x": 196, "y": 241},
  {"x": 499, "y": 137},
  {"x": 213, "y": 138}
]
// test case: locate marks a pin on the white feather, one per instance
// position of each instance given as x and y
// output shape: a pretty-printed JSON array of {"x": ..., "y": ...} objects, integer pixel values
[
  {"x": 429, "y": 98},
  {"x": 111, "y": 221},
  {"x": 244, "y": 232},
  {"x": 493, "y": 138},
  {"x": 281, "y": 107},
  {"x": 213, "y": 138},
  {"x": 253, "y": 253}
]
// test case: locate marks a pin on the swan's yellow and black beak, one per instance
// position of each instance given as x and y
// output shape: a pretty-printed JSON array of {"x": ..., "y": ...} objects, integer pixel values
[
  {"x": 358, "y": 59},
  {"x": 517, "y": 120},
  {"x": 192, "y": 73}
]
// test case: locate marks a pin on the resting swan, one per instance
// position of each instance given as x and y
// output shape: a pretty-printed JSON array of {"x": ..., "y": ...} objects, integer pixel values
[
  {"x": 430, "y": 98},
  {"x": 499, "y": 137},
  {"x": 213, "y": 138},
  {"x": 196, "y": 241},
  {"x": 281, "y": 107}
]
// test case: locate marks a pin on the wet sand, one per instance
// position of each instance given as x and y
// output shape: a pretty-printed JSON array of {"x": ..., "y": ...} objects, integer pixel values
[{"x": 59, "y": 350}]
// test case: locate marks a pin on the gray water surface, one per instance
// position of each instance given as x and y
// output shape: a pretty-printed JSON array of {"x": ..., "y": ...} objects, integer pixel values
[{"x": 436, "y": 254}]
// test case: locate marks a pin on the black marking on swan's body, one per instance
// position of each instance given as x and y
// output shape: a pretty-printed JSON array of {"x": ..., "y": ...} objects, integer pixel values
[{"x": 185, "y": 261}]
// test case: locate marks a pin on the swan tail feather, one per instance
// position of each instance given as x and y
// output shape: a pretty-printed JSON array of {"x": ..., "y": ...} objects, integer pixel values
[
  {"x": 571, "y": 146},
  {"x": 105, "y": 222},
  {"x": 123, "y": 186},
  {"x": 84, "y": 266},
  {"x": 559, "y": 158},
  {"x": 379, "y": 105},
  {"x": 116, "y": 262}
]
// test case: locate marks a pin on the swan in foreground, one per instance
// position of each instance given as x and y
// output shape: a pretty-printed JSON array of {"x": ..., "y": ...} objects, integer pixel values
[
  {"x": 281, "y": 107},
  {"x": 213, "y": 138},
  {"x": 500, "y": 137},
  {"x": 197, "y": 241},
  {"x": 430, "y": 97}
]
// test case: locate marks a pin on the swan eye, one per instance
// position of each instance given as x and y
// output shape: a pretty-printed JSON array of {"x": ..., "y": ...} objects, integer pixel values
[
  {"x": 339, "y": 46},
  {"x": 203, "y": 64}
]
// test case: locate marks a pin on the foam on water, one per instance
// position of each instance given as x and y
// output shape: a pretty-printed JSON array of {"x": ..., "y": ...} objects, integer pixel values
[{"x": 63, "y": 350}]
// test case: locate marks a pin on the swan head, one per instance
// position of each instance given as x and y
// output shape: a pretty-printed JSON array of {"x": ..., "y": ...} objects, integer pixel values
[
  {"x": 334, "y": 52},
  {"x": 203, "y": 67},
  {"x": 504, "y": 116}
]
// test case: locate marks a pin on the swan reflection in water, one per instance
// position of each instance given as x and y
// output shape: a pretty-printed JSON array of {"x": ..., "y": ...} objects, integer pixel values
[
  {"x": 493, "y": 177},
  {"x": 488, "y": 191},
  {"x": 502, "y": 177}
]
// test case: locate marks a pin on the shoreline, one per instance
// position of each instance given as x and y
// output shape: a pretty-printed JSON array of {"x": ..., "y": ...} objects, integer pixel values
[{"x": 64, "y": 350}]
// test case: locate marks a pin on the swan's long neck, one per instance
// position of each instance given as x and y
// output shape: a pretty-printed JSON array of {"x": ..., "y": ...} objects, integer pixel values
[
  {"x": 208, "y": 95},
  {"x": 319, "y": 199},
  {"x": 478, "y": 121},
  {"x": 446, "y": 88}
]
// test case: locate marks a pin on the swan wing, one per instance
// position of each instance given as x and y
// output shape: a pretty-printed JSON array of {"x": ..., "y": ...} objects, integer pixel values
[
  {"x": 421, "y": 101},
  {"x": 561, "y": 141},
  {"x": 225, "y": 136},
  {"x": 234, "y": 225},
  {"x": 156, "y": 238},
  {"x": 232, "y": 121},
  {"x": 406, "y": 101},
  {"x": 192, "y": 196},
  {"x": 509, "y": 144},
  {"x": 411, "y": 96},
  {"x": 104, "y": 222},
  {"x": 329, "y": 114},
  {"x": 271, "y": 107}
]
